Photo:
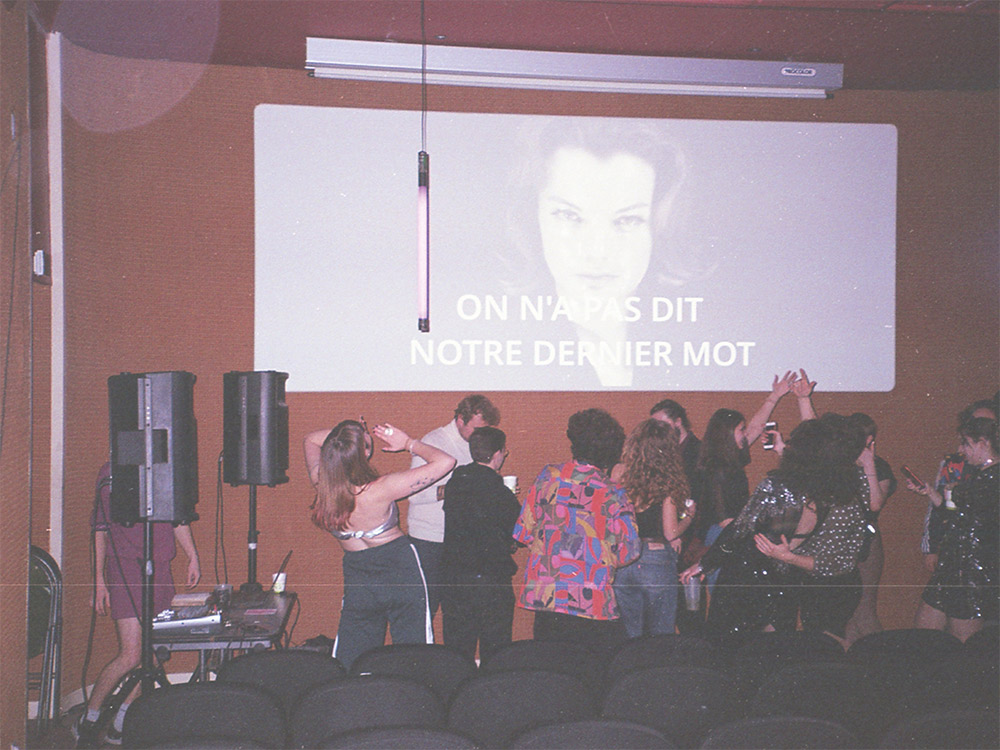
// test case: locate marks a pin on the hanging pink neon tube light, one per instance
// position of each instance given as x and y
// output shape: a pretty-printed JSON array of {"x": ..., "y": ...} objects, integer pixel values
[{"x": 423, "y": 242}]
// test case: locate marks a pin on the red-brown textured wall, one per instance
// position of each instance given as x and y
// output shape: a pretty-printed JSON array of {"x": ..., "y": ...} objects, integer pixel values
[
  {"x": 160, "y": 277},
  {"x": 16, "y": 290}
]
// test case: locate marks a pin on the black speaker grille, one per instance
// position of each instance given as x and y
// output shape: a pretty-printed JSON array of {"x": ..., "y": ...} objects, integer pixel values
[
  {"x": 255, "y": 428},
  {"x": 154, "y": 447}
]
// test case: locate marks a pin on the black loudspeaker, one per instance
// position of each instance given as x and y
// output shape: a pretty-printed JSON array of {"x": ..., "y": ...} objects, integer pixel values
[
  {"x": 255, "y": 428},
  {"x": 154, "y": 447}
]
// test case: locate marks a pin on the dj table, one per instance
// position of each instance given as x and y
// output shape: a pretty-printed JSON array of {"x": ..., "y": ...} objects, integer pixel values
[{"x": 251, "y": 622}]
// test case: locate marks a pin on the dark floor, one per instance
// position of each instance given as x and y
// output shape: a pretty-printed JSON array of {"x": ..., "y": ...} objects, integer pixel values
[{"x": 59, "y": 736}]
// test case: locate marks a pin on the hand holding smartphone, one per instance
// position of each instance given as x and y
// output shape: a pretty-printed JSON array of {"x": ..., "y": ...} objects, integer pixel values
[
  {"x": 911, "y": 476},
  {"x": 769, "y": 429}
]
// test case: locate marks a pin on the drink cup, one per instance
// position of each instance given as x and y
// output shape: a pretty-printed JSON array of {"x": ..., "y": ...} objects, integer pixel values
[
  {"x": 692, "y": 593},
  {"x": 278, "y": 580},
  {"x": 511, "y": 482},
  {"x": 949, "y": 504}
]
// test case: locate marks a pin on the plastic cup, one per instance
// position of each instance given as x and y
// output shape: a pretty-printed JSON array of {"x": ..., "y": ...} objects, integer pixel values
[
  {"x": 510, "y": 481},
  {"x": 692, "y": 593},
  {"x": 278, "y": 583}
]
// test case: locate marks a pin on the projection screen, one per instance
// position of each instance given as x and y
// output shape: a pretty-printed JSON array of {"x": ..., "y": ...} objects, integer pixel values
[{"x": 573, "y": 253}]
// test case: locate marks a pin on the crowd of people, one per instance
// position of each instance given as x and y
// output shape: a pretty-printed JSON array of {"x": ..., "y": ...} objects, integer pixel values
[{"x": 615, "y": 534}]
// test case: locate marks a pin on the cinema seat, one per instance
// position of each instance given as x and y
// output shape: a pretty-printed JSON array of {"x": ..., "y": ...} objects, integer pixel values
[{"x": 204, "y": 714}]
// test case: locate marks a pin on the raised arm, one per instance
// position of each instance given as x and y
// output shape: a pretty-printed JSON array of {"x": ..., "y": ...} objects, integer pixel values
[
  {"x": 428, "y": 494},
  {"x": 803, "y": 388},
  {"x": 401, "y": 484},
  {"x": 312, "y": 444},
  {"x": 779, "y": 388}
]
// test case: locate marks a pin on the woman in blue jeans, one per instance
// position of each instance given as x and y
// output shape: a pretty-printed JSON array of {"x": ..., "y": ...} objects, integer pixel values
[{"x": 652, "y": 473}]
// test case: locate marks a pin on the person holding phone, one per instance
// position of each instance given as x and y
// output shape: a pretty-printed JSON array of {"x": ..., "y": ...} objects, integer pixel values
[
  {"x": 845, "y": 605},
  {"x": 952, "y": 468},
  {"x": 962, "y": 591},
  {"x": 781, "y": 531},
  {"x": 721, "y": 486}
]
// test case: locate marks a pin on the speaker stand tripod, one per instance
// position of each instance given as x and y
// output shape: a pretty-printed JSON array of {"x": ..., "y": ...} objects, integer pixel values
[{"x": 252, "y": 586}]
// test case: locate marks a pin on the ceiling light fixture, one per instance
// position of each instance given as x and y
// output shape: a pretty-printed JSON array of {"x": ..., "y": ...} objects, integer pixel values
[{"x": 567, "y": 71}]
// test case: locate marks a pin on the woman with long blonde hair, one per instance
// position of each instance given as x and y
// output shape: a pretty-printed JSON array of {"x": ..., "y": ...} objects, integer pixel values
[
  {"x": 652, "y": 473},
  {"x": 383, "y": 579}
]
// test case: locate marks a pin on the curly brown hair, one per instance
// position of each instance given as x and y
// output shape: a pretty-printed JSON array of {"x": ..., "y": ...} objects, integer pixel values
[{"x": 654, "y": 468}]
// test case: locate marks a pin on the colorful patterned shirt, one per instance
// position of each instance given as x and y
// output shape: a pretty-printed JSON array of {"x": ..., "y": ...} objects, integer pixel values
[{"x": 579, "y": 527}]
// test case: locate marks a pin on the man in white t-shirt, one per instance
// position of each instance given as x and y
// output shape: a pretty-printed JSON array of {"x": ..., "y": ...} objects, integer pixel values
[{"x": 425, "y": 517}]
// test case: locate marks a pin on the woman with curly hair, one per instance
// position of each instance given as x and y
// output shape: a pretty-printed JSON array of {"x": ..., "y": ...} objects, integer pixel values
[
  {"x": 652, "y": 473},
  {"x": 383, "y": 577}
]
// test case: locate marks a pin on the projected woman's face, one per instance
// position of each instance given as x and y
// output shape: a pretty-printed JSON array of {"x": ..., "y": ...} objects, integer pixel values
[{"x": 594, "y": 217}]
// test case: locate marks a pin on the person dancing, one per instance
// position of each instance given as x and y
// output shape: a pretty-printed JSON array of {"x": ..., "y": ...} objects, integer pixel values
[
  {"x": 383, "y": 579},
  {"x": 756, "y": 552}
]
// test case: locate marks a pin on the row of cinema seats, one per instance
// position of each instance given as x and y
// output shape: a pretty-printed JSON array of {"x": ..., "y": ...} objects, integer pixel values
[{"x": 905, "y": 688}]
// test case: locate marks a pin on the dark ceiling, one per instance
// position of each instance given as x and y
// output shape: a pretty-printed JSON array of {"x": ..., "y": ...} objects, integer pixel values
[{"x": 883, "y": 44}]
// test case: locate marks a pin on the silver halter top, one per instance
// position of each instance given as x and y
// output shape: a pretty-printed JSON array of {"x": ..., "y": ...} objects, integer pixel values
[{"x": 383, "y": 527}]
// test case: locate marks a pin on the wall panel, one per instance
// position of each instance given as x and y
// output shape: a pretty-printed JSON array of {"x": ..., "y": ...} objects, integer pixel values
[{"x": 160, "y": 277}]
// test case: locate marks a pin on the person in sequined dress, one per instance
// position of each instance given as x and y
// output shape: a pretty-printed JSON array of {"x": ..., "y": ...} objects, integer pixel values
[
  {"x": 758, "y": 591},
  {"x": 963, "y": 591},
  {"x": 826, "y": 576},
  {"x": 949, "y": 474}
]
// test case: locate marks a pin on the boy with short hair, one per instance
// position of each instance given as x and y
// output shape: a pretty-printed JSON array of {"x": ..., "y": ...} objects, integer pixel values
[{"x": 479, "y": 513}]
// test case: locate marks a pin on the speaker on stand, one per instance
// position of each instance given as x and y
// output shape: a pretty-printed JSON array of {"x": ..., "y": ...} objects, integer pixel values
[
  {"x": 154, "y": 477},
  {"x": 255, "y": 443}
]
